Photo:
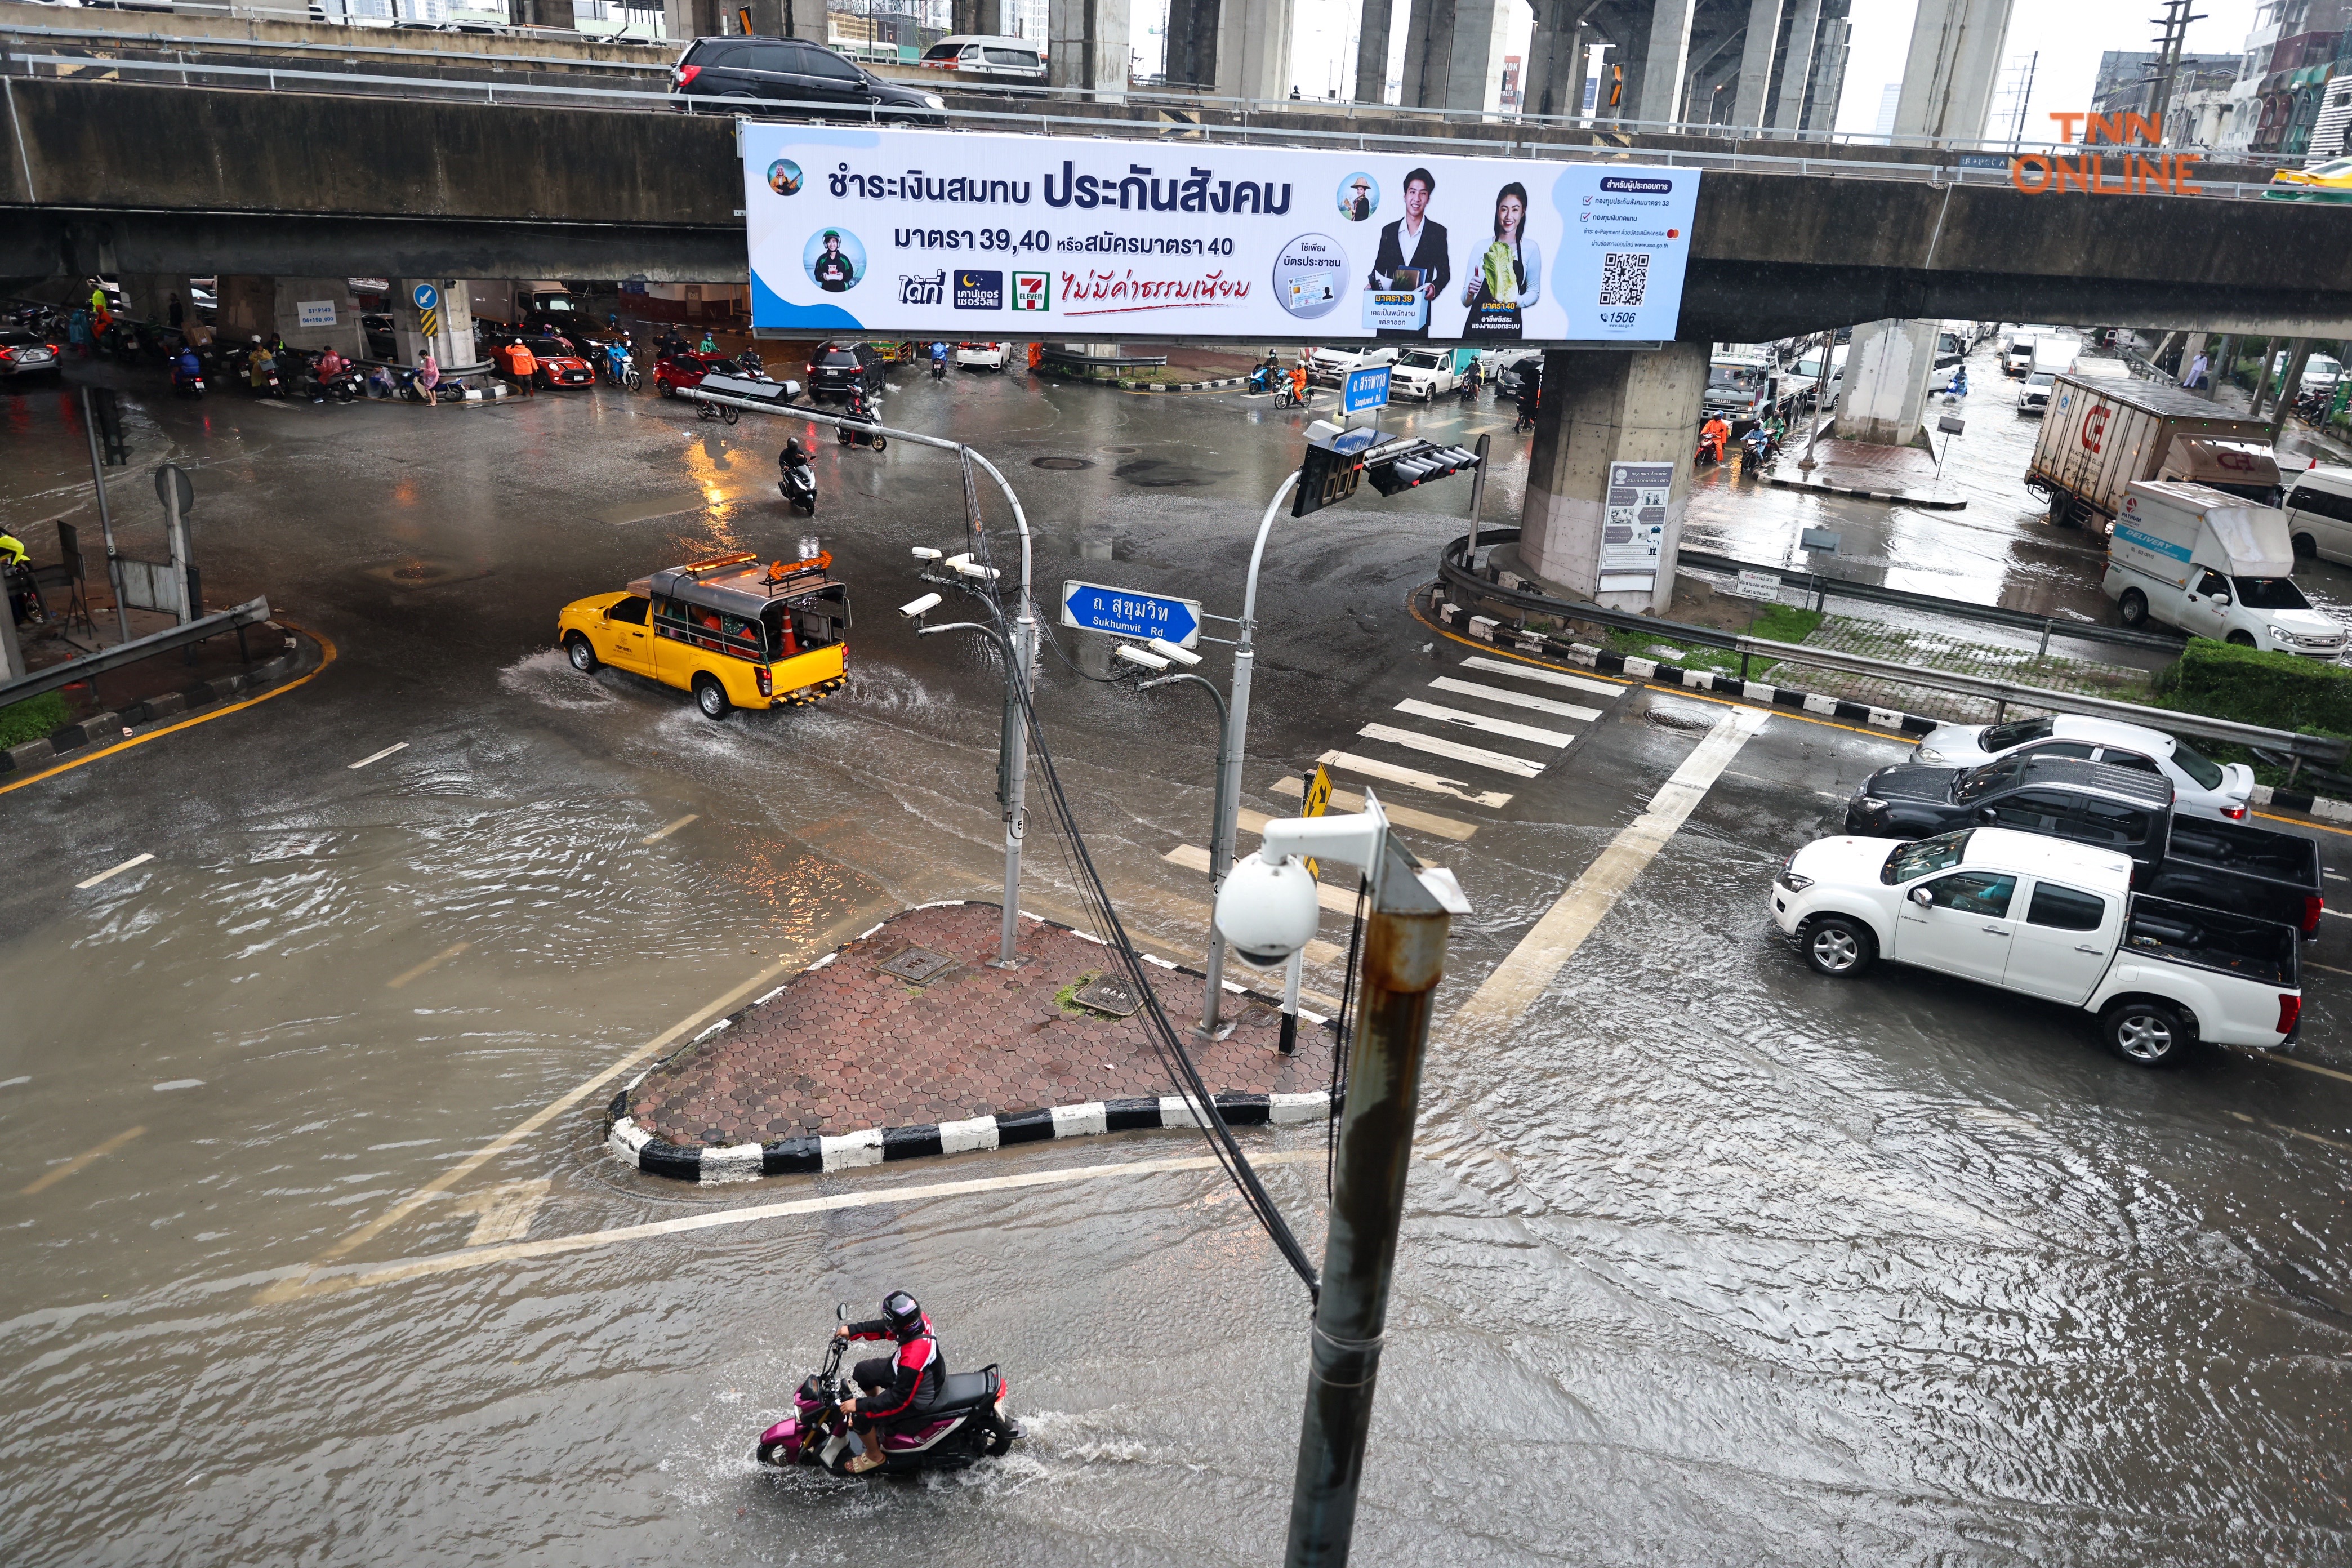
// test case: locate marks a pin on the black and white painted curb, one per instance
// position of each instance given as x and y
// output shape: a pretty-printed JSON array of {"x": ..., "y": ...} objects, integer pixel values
[
  {"x": 1486, "y": 628},
  {"x": 2318, "y": 805},
  {"x": 633, "y": 1145},
  {"x": 102, "y": 728},
  {"x": 1906, "y": 497}
]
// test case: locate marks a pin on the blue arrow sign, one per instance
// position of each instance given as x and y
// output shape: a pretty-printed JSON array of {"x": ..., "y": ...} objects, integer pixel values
[
  {"x": 427, "y": 296},
  {"x": 1126, "y": 612}
]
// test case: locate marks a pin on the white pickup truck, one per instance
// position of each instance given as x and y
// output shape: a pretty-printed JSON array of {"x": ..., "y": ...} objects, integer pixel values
[
  {"x": 2050, "y": 920},
  {"x": 1329, "y": 367}
]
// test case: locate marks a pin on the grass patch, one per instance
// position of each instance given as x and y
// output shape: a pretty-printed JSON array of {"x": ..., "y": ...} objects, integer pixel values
[
  {"x": 1066, "y": 998},
  {"x": 32, "y": 718},
  {"x": 1774, "y": 623}
]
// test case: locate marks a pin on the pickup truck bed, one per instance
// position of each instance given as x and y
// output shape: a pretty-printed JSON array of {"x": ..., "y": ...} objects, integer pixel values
[
  {"x": 2257, "y": 950},
  {"x": 2245, "y": 871}
]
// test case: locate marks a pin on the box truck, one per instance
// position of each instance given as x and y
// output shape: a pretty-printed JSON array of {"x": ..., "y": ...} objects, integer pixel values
[
  {"x": 2215, "y": 565},
  {"x": 2100, "y": 436}
]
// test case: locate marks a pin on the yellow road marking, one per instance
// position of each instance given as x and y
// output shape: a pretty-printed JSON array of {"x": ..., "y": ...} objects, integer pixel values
[
  {"x": 661, "y": 833},
  {"x": 2290, "y": 1062},
  {"x": 51, "y": 1178},
  {"x": 2303, "y": 822},
  {"x": 327, "y": 652},
  {"x": 430, "y": 964},
  {"x": 2291, "y": 1132}
]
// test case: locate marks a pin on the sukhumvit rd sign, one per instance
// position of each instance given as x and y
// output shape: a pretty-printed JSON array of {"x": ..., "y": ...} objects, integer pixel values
[{"x": 931, "y": 233}]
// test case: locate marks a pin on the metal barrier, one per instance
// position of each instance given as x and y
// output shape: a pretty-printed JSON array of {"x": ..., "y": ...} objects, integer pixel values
[
  {"x": 1451, "y": 571},
  {"x": 250, "y": 613}
]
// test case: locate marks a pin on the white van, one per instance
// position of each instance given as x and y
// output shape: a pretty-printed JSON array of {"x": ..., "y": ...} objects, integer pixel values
[
  {"x": 2051, "y": 360},
  {"x": 2319, "y": 514},
  {"x": 986, "y": 53},
  {"x": 2215, "y": 565},
  {"x": 2017, "y": 358}
]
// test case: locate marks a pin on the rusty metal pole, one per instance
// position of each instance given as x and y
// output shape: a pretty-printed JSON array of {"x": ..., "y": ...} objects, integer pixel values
[{"x": 1405, "y": 958}]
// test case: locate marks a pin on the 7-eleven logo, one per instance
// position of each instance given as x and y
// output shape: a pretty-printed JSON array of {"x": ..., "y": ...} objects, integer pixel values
[{"x": 1030, "y": 291}]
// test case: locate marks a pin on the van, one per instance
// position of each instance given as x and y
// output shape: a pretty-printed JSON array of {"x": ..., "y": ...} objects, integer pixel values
[
  {"x": 985, "y": 52},
  {"x": 2051, "y": 360},
  {"x": 1803, "y": 378},
  {"x": 2319, "y": 515},
  {"x": 2017, "y": 355},
  {"x": 2215, "y": 565}
]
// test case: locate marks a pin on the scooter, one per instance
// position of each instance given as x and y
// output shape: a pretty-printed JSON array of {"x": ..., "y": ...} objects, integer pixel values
[
  {"x": 1706, "y": 455},
  {"x": 1756, "y": 449},
  {"x": 620, "y": 367},
  {"x": 939, "y": 370},
  {"x": 261, "y": 378},
  {"x": 347, "y": 384},
  {"x": 969, "y": 1422},
  {"x": 188, "y": 376},
  {"x": 864, "y": 411},
  {"x": 1286, "y": 398},
  {"x": 798, "y": 486}
]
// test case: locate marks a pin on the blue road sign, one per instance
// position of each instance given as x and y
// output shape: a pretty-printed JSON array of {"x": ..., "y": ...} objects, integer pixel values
[
  {"x": 1125, "y": 612},
  {"x": 1366, "y": 388},
  {"x": 427, "y": 296}
]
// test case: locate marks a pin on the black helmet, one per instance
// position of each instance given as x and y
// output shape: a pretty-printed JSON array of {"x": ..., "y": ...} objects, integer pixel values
[
  {"x": 793, "y": 449},
  {"x": 902, "y": 1313}
]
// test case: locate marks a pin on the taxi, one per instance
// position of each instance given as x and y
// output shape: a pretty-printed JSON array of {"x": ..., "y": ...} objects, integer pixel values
[
  {"x": 733, "y": 631},
  {"x": 2329, "y": 181}
]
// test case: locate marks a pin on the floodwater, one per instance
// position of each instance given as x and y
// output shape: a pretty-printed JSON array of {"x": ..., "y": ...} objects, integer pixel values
[{"x": 1713, "y": 1260}]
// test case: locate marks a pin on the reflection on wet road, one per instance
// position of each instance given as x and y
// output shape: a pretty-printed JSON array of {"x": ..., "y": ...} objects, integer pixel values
[{"x": 1706, "y": 1258}]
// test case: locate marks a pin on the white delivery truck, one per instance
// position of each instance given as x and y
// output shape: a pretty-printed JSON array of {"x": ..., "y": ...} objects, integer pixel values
[
  {"x": 2100, "y": 436},
  {"x": 2215, "y": 565}
]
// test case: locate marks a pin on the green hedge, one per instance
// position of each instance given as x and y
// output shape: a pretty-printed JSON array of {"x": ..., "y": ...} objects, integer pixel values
[
  {"x": 32, "y": 718},
  {"x": 2278, "y": 690}
]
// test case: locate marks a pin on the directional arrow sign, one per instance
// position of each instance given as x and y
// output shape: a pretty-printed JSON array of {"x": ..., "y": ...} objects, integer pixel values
[{"x": 1126, "y": 612}]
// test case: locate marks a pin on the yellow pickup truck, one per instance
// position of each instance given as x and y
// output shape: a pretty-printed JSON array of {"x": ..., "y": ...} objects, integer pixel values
[{"x": 734, "y": 633}]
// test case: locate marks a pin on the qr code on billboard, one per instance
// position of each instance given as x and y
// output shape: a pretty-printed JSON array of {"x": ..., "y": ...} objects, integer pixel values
[{"x": 1624, "y": 277}]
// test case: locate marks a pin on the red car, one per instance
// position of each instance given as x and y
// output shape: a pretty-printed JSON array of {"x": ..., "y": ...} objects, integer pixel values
[
  {"x": 559, "y": 363},
  {"x": 674, "y": 373}
]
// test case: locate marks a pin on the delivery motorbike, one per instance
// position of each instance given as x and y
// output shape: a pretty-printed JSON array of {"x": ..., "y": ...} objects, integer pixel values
[{"x": 968, "y": 1422}]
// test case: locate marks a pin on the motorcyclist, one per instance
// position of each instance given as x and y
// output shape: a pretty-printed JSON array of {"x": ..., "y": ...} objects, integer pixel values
[
  {"x": 793, "y": 457},
  {"x": 21, "y": 596},
  {"x": 939, "y": 361},
  {"x": 616, "y": 357},
  {"x": 323, "y": 374},
  {"x": 1299, "y": 381},
  {"x": 905, "y": 1382},
  {"x": 186, "y": 368},
  {"x": 1531, "y": 395},
  {"x": 1261, "y": 377},
  {"x": 1715, "y": 434},
  {"x": 258, "y": 363},
  {"x": 750, "y": 362}
]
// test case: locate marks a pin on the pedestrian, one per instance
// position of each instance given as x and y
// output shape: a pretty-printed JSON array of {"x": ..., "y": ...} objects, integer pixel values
[
  {"x": 428, "y": 374},
  {"x": 1037, "y": 356},
  {"x": 2197, "y": 371},
  {"x": 521, "y": 365},
  {"x": 178, "y": 313},
  {"x": 78, "y": 331}
]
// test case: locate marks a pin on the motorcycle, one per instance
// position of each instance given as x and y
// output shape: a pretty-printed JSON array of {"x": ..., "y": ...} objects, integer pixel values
[
  {"x": 706, "y": 409},
  {"x": 261, "y": 378},
  {"x": 188, "y": 376},
  {"x": 798, "y": 486},
  {"x": 620, "y": 368},
  {"x": 1756, "y": 448},
  {"x": 1260, "y": 379},
  {"x": 939, "y": 370},
  {"x": 969, "y": 1422},
  {"x": 1284, "y": 397},
  {"x": 864, "y": 411},
  {"x": 347, "y": 384},
  {"x": 1706, "y": 455}
]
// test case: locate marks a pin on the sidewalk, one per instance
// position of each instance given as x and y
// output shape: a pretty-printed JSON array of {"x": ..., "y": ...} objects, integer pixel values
[
  {"x": 1865, "y": 469},
  {"x": 849, "y": 1063}
]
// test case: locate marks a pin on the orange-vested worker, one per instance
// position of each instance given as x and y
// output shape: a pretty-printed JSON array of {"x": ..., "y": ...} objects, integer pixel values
[
  {"x": 1715, "y": 433},
  {"x": 1299, "y": 381},
  {"x": 521, "y": 365}
]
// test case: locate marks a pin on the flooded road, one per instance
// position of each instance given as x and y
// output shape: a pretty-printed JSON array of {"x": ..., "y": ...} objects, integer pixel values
[{"x": 1710, "y": 1259}]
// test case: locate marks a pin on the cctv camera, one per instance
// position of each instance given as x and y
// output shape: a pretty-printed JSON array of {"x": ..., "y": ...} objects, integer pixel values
[
  {"x": 1172, "y": 654},
  {"x": 1267, "y": 912},
  {"x": 920, "y": 607},
  {"x": 925, "y": 553},
  {"x": 1140, "y": 659}
]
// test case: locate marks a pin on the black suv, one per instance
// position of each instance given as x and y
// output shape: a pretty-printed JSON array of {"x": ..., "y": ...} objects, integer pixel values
[
  {"x": 835, "y": 367},
  {"x": 2091, "y": 802},
  {"x": 723, "y": 75}
]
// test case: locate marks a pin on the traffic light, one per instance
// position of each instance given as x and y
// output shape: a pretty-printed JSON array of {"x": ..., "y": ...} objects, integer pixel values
[
  {"x": 1333, "y": 467},
  {"x": 1400, "y": 465}
]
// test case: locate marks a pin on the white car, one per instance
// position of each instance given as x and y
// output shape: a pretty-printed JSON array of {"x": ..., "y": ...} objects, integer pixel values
[
  {"x": 1425, "y": 373},
  {"x": 2046, "y": 919},
  {"x": 979, "y": 356},
  {"x": 2200, "y": 787},
  {"x": 1329, "y": 367}
]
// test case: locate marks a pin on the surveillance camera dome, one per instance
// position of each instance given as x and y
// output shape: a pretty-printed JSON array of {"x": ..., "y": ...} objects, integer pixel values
[{"x": 1267, "y": 912}]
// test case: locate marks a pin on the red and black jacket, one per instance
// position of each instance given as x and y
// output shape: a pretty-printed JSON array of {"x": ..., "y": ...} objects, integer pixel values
[{"x": 918, "y": 1372}]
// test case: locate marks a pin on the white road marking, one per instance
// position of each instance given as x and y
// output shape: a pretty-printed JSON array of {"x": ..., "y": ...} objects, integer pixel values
[
  {"x": 1515, "y": 698},
  {"x": 2308, "y": 1067},
  {"x": 378, "y": 756},
  {"x": 50, "y": 1178},
  {"x": 2340, "y": 914},
  {"x": 1400, "y": 816},
  {"x": 659, "y": 834},
  {"x": 506, "y": 1210},
  {"x": 316, "y": 1283},
  {"x": 2290, "y": 1131},
  {"x": 1339, "y": 901},
  {"x": 1373, "y": 768},
  {"x": 1515, "y": 983},
  {"x": 13, "y": 1082},
  {"x": 112, "y": 872},
  {"x": 168, "y": 1085},
  {"x": 2337, "y": 877},
  {"x": 1507, "y": 727},
  {"x": 1548, "y": 676},
  {"x": 430, "y": 964},
  {"x": 1478, "y": 756}
]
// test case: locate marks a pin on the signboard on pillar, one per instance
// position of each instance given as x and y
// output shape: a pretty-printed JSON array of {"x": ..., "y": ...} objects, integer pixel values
[
  {"x": 932, "y": 233},
  {"x": 1634, "y": 526}
]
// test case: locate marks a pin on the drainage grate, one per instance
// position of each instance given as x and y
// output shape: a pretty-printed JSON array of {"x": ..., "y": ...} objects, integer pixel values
[
  {"x": 917, "y": 965},
  {"x": 1064, "y": 463},
  {"x": 1107, "y": 994}
]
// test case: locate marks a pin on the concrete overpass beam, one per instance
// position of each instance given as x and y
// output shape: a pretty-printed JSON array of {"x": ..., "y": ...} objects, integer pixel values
[
  {"x": 1254, "y": 50},
  {"x": 1883, "y": 395},
  {"x": 1602, "y": 407},
  {"x": 1947, "y": 78},
  {"x": 1087, "y": 47},
  {"x": 1556, "y": 55},
  {"x": 1756, "y": 62},
  {"x": 1666, "y": 60},
  {"x": 1797, "y": 65}
]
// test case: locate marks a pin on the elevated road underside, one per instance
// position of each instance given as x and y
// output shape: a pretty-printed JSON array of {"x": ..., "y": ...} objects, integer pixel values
[{"x": 117, "y": 175}]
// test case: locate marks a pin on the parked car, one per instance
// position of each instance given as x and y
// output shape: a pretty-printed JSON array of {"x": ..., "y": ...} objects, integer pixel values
[
  {"x": 2219, "y": 865},
  {"x": 383, "y": 342},
  {"x": 2057, "y": 921},
  {"x": 980, "y": 356},
  {"x": 985, "y": 52},
  {"x": 560, "y": 362},
  {"x": 725, "y": 75},
  {"x": 1329, "y": 367},
  {"x": 674, "y": 373},
  {"x": 24, "y": 355},
  {"x": 1427, "y": 374},
  {"x": 2200, "y": 787},
  {"x": 835, "y": 367},
  {"x": 734, "y": 632}
]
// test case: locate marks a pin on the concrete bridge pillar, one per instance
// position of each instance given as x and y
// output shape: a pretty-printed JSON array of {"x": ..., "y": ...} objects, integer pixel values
[
  {"x": 1253, "y": 49},
  {"x": 1883, "y": 397},
  {"x": 1452, "y": 54},
  {"x": 1087, "y": 47},
  {"x": 452, "y": 339},
  {"x": 1610, "y": 471},
  {"x": 1556, "y": 58},
  {"x": 993, "y": 17},
  {"x": 1192, "y": 40},
  {"x": 324, "y": 295},
  {"x": 1797, "y": 65},
  {"x": 246, "y": 307},
  {"x": 1756, "y": 62},
  {"x": 1657, "y": 94},
  {"x": 1949, "y": 76}
]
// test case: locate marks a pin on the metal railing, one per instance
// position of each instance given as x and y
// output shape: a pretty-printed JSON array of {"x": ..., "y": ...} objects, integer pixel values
[
  {"x": 1363, "y": 139},
  {"x": 251, "y": 613},
  {"x": 2004, "y": 694}
]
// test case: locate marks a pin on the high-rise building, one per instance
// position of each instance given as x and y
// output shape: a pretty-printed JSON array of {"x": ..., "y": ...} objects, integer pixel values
[{"x": 1888, "y": 96}]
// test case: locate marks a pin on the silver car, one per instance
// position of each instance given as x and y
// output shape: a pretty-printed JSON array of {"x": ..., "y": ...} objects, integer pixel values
[{"x": 2200, "y": 787}]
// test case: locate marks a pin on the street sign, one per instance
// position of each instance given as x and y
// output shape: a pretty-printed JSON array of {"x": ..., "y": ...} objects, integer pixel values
[
  {"x": 1634, "y": 526},
  {"x": 1317, "y": 802},
  {"x": 425, "y": 295},
  {"x": 428, "y": 310},
  {"x": 1366, "y": 388},
  {"x": 1951, "y": 425},
  {"x": 1128, "y": 613},
  {"x": 314, "y": 312},
  {"x": 1821, "y": 539},
  {"x": 1759, "y": 585},
  {"x": 171, "y": 477}
]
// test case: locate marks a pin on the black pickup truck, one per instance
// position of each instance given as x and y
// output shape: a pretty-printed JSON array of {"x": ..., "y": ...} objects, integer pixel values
[{"x": 2218, "y": 865}]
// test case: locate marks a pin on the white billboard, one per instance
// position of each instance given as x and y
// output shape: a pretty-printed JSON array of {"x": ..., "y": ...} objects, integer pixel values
[{"x": 945, "y": 234}]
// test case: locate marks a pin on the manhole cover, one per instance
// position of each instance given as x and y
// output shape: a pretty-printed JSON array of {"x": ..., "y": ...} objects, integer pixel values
[
  {"x": 1064, "y": 463},
  {"x": 917, "y": 965},
  {"x": 1107, "y": 995}
]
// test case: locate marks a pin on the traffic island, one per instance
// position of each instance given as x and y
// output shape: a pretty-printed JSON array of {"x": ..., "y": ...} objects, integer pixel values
[
  {"x": 1868, "y": 472},
  {"x": 908, "y": 1042}
]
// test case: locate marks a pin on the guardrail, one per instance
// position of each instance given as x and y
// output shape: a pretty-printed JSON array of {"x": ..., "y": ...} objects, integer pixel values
[
  {"x": 250, "y": 613},
  {"x": 280, "y": 80},
  {"x": 2322, "y": 749}
]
